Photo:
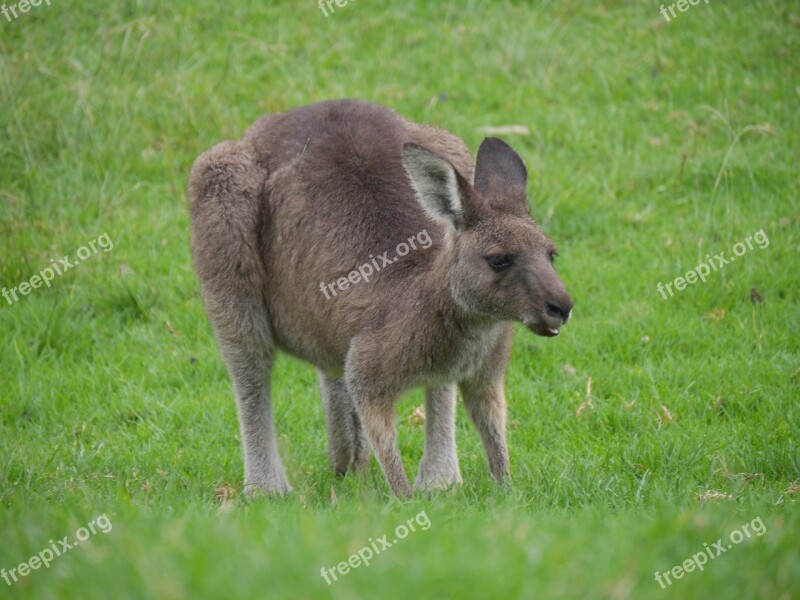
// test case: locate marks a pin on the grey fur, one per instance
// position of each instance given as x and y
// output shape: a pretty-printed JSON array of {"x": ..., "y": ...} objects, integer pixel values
[{"x": 308, "y": 195}]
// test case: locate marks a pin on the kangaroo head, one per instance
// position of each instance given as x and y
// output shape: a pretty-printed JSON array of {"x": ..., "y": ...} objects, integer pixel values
[{"x": 502, "y": 261}]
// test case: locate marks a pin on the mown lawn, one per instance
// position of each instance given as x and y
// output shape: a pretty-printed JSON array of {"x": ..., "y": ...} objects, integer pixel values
[{"x": 649, "y": 428}]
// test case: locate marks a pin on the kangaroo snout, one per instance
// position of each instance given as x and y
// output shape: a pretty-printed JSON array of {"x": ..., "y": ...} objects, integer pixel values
[
  {"x": 552, "y": 307},
  {"x": 560, "y": 309},
  {"x": 558, "y": 312}
]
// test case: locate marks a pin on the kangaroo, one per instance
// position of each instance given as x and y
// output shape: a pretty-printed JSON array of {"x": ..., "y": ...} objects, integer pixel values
[{"x": 306, "y": 197}]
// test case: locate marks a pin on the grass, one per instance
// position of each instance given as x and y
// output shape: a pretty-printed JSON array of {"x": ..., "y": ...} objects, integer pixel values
[{"x": 648, "y": 428}]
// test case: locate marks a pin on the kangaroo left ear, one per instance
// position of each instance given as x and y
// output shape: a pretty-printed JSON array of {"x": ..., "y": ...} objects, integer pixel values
[
  {"x": 436, "y": 185},
  {"x": 501, "y": 177}
]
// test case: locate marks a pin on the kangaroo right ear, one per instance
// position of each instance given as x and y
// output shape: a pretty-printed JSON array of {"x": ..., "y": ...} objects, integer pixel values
[
  {"x": 435, "y": 183},
  {"x": 501, "y": 177}
]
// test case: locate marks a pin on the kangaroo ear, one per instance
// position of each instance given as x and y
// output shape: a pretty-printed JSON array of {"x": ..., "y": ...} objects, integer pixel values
[
  {"x": 501, "y": 177},
  {"x": 435, "y": 183}
]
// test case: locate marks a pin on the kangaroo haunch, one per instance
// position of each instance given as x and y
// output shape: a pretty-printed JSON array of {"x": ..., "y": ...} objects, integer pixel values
[{"x": 312, "y": 195}]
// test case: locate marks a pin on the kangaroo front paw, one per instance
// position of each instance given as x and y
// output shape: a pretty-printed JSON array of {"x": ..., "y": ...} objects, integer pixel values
[
  {"x": 269, "y": 484},
  {"x": 439, "y": 478}
]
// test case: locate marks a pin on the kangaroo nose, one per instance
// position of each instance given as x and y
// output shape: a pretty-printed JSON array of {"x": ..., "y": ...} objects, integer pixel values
[{"x": 560, "y": 309}]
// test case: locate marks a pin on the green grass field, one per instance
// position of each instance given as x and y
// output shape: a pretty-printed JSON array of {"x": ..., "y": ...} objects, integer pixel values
[{"x": 649, "y": 428}]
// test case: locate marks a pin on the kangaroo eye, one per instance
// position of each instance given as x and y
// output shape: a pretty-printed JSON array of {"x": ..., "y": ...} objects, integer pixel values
[
  {"x": 500, "y": 262},
  {"x": 553, "y": 255}
]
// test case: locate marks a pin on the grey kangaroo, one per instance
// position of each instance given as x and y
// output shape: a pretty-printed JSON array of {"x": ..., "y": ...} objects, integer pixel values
[{"x": 306, "y": 197}]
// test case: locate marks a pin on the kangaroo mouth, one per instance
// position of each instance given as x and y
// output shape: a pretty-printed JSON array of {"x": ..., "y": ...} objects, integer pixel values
[{"x": 543, "y": 330}]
